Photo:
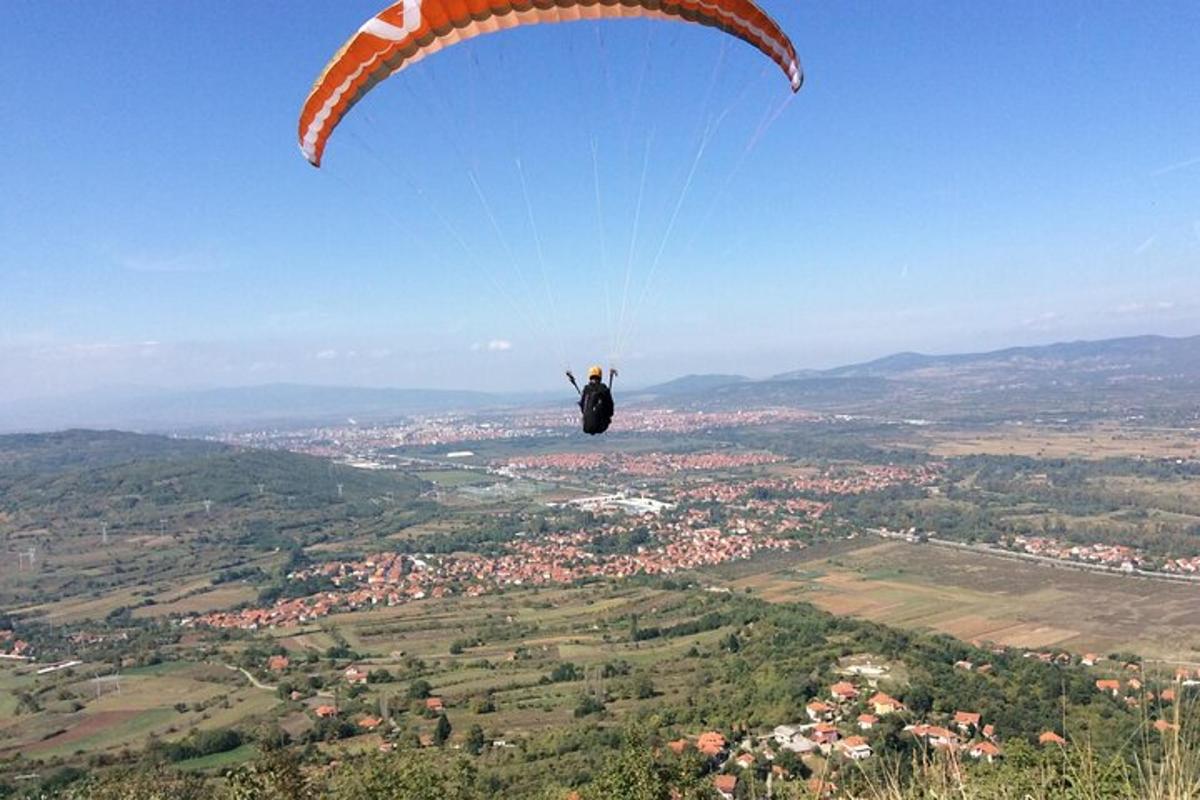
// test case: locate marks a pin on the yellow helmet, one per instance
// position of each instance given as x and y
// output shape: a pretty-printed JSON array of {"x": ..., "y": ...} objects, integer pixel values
[{"x": 595, "y": 372}]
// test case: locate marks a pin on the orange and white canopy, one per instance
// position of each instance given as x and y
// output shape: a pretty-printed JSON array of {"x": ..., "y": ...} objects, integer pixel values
[{"x": 406, "y": 32}]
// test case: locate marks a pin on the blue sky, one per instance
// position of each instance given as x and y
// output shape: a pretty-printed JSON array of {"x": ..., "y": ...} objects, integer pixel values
[{"x": 952, "y": 177}]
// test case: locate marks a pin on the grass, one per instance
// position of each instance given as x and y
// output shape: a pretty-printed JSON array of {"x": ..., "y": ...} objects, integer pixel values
[{"x": 229, "y": 758}]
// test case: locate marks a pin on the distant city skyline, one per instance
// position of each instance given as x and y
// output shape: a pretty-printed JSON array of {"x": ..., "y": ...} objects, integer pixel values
[{"x": 951, "y": 179}]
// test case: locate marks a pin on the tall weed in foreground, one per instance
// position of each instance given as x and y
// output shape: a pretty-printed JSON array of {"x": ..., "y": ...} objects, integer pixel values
[{"x": 1162, "y": 762}]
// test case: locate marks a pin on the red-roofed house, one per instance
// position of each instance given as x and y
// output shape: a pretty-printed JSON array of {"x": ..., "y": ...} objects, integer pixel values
[
  {"x": 818, "y": 711},
  {"x": 355, "y": 675},
  {"x": 277, "y": 663},
  {"x": 435, "y": 705},
  {"x": 935, "y": 735},
  {"x": 843, "y": 691},
  {"x": 825, "y": 735},
  {"x": 325, "y": 712},
  {"x": 1050, "y": 737},
  {"x": 867, "y": 721},
  {"x": 744, "y": 760},
  {"x": 984, "y": 750},
  {"x": 966, "y": 721},
  {"x": 369, "y": 723},
  {"x": 885, "y": 704},
  {"x": 1113, "y": 687},
  {"x": 711, "y": 744},
  {"x": 854, "y": 747},
  {"x": 725, "y": 785}
]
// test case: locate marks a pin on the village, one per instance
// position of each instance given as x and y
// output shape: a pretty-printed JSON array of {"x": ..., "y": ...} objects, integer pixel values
[
  {"x": 1121, "y": 557},
  {"x": 390, "y": 579}
]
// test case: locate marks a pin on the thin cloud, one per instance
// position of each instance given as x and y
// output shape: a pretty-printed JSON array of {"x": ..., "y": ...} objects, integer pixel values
[
  {"x": 326, "y": 355},
  {"x": 1176, "y": 167},
  {"x": 1126, "y": 309},
  {"x": 493, "y": 346},
  {"x": 1146, "y": 245}
]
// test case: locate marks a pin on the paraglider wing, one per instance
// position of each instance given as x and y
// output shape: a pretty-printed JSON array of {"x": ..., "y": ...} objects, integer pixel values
[{"x": 406, "y": 32}]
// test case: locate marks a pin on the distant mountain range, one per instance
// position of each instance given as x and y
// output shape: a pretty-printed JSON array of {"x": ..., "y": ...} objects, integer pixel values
[
  {"x": 1136, "y": 355},
  {"x": 1153, "y": 376}
]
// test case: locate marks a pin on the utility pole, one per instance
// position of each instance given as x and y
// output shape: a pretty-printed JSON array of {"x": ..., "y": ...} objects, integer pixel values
[
  {"x": 208, "y": 507},
  {"x": 339, "y": 491},
  {"x": 104, "y": 534}
]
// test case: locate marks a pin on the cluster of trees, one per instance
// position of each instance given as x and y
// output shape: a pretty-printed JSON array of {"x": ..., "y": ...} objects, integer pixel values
[{"x": 195, "y": 745}]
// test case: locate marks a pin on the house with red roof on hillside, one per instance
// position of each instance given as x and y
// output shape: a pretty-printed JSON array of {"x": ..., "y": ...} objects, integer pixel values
[
  {"x": 818, "y": 711},
  {"x": 711, "y": 744},
  {"x": 843, "y": 692},
  {"x": 885, "y": 704},
  {"x": 934, "y": 735},
  {"x": 966, "y": 721},
  {"x": 985, "y": 750},
  {"x": 854, "y": 748},
  {"x": 725, "y": 785},
  {"x": 678, "y": 746}
]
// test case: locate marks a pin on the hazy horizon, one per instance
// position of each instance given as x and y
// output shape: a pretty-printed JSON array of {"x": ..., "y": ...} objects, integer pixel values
[{"x": 628, "y": 379}]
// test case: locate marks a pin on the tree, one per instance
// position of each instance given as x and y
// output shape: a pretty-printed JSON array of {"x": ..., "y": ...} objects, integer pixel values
[
  {"x": 476, "y": 740},
  {"x": 441, "y": 733},
  {"x": 643, "y": 686},
  {"x": 417, "y": 776},
  {"x": 632, "y": 775},
  {"x": 419, "y": 690},
  {"x": 277, "y": 775}
]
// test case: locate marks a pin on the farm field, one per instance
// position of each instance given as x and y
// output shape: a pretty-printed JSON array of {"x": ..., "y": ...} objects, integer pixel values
[
  {"x": 988, "y": 598},
  {"x": 1107, "y": 440},
  {"x": 165, "y": 700}
]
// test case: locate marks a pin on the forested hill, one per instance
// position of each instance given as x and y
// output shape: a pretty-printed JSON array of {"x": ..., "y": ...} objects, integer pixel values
[
  {"x": 31, "y": 454},
  {"x": 81, "y": 468}
]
